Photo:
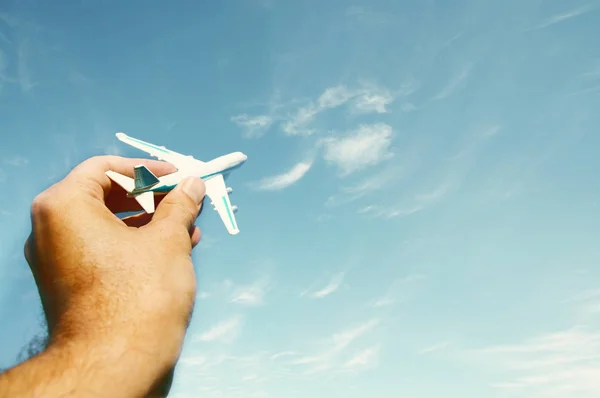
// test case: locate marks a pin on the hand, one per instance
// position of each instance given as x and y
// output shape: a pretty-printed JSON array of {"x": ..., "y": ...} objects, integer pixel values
[{"x": 117, "y": 293}]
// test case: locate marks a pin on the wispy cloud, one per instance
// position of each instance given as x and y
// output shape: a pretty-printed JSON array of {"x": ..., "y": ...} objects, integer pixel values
[
  {"x": 15, "y": 161},
  {"x": 208, "y": 241},
  {"x": 332, "y": 97},
  {"x": 563, "y": 17},
  {"x": 554, "y": 364},
  {"x": 364, "y": 187},
  {"x": 491, "y": 130},
  {"x": 363, "y": 360},
  {"x": 454, "y": 83},
  {"x": 3, "y": 66},
  {"x": 408, "y": 107},
  {"x": 283, "y": 354},
  {"x": 286, "y": 179},
  {"x": 251, "y": 295},
  {"x": 366, "y": 146},
  {"x": 343, "y": 339},
  {"x": 363, "y": 98},
  {"x": 254, "y": 126},
  {"x": 353, "y": 348},
  {"x": 5, "y": 39},
  {"x": 113, "y": 149},
  {"x": 377, "y": 103},
  {"x": 389, "y": 212},
  {"x": 401, "y": 290},
  {"x": 433, "y": 348},
  {"x": 368, "y": 16},
  {"x": 23, "y": 67},
  {"x": 330, "y": 358},
  {"x": 410, "y": 204},
  {"x": 332, "y": 286},
  {"x": 226, "y": 331},
  {"x": 588, "y": 302}
]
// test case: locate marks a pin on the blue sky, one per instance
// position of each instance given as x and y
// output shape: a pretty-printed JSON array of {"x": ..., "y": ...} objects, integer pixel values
[{"x": 419, "y": 212}]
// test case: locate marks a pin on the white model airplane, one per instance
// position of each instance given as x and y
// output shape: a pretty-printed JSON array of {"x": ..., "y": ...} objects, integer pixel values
[{"x": 214, "y": 173}]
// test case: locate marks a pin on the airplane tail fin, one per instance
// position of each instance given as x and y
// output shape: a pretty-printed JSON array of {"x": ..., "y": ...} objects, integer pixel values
[
  {"x": 143, "y": 177},
  {"x": 145, "y": 199}
]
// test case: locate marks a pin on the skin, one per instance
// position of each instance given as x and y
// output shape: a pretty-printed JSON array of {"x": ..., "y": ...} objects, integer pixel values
[{"x": 117, "y": 294}]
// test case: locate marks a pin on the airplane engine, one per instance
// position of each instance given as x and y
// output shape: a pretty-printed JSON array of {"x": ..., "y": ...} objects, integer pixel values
[
  {"x": 234, "y": 208},
  {"x": 229, "y": 190}
]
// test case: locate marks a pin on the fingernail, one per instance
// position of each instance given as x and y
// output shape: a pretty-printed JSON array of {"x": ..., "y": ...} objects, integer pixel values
[{"x": 194, "y": 187}]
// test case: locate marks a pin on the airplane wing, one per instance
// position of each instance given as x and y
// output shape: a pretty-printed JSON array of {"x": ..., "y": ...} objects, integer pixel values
[
  {"x": 160, "y": 152},
  {"x": 217, "y": 192}
]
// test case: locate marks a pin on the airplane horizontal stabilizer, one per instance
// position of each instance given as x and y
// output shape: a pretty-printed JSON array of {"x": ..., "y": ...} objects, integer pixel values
[
  {"x": 146, "y": 200},
  {"x": 124, "y": 182}
]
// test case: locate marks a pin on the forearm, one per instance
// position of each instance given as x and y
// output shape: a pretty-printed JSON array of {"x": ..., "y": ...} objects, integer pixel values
[{"x": 86, "y": 368}]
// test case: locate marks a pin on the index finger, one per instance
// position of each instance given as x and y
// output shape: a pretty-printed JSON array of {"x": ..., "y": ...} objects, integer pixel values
[{"x": 91, "y": 173}]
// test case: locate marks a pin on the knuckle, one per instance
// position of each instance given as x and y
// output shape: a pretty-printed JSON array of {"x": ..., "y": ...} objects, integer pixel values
[
  {"x": 43, "y": 205},
  {"x": 27, "y": 249}
]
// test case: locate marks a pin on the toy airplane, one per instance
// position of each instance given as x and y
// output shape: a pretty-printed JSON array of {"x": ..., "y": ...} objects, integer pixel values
[{"x": 214, "y": 173}]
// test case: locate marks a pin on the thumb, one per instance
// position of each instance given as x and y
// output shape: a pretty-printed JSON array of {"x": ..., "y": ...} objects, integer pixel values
[{"x": 182, "y": 205}]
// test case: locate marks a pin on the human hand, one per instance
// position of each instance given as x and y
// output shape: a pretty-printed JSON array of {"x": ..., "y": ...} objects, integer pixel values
[{"x": 123, "y": 287}]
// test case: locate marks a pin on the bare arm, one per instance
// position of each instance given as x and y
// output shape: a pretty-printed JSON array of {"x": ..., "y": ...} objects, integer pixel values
[{"x": 117, "y": 294}]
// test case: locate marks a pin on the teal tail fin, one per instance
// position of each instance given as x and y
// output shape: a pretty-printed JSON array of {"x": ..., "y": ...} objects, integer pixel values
[{"x": 143, "y": 177}]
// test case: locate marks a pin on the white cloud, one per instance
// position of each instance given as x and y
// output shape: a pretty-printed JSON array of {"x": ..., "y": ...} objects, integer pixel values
[
  {"x": 16, "y": 161},
  {"x": 226, "y": 331},
  {"x": 454, "y": 83},
  {"x": 282, "y": 354},
  {"x": 343, "y": 339},
  {"x": 286, "y": 179},
  {"x": 330, "y": 98},
  {"x": 3, "y": 65},
  {"x": 389, "y": 212},
  {"x": 490, "y": 131},
  {"x": 255, "y": 126},
  {"x": 363, "y": 360},
  {"x": 251, "y": 295},
  {"x": 330, "y": 357},
  {"x": 554, "y": 364},
  {"x": 414, "y": 203},
  {"x": 203, "y": 295},
  {"x": 366, "y": 146},
  {"x": 297, "y": 124},
  {"x": 368, "y": 103},
  {"x": 436, "y": 347},
  {"x": 194, "y": 361},
  {"x": 113, "y": 149},
  {"x": 333, "y": 285},
  {"x": 334, "y": 97},
  {"x": 369, "y": 16},
  {"x": 369, "y": 98},
  {"x": 367, "y": 185},
  {"x": 407, "y": 107},
  {"x": 401, "y": 290},
  {"x": 563, "y": 17}
]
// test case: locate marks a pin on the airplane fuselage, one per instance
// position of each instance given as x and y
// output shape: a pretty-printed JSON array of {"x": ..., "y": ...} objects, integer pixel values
[{"x": 221, "y": 165}]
